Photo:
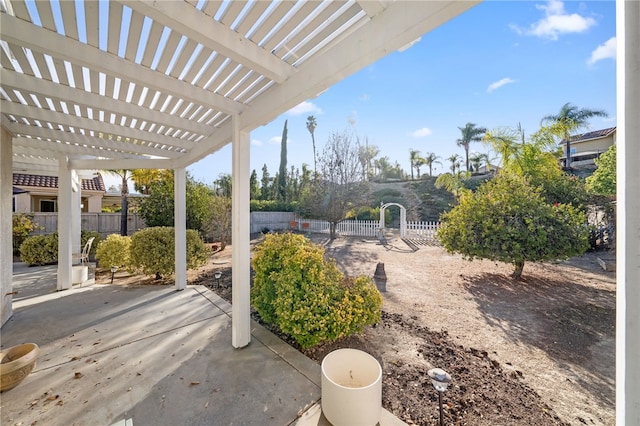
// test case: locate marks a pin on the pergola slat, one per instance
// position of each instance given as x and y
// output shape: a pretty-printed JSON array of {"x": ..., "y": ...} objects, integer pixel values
[
  {"x": 133, "y": 39},
  {"x": 115, "y": 20},
  {"x": 290, "y": 24},
  {"x": 92, "y": 22},
  {"x": 46, "y": 15},
  {"x": 69, "y": 19},
  {"x": 155, "y": 33}
]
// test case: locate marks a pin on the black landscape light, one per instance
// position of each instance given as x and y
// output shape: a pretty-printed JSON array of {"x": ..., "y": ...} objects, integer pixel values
[
  {"x": 113, "y": 271},
  {"x": 217, "y": 276},
  {"x": 440, "y": 379}
]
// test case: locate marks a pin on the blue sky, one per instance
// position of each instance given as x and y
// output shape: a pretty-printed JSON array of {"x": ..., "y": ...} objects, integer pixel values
[{"x": 499, "y": 64}]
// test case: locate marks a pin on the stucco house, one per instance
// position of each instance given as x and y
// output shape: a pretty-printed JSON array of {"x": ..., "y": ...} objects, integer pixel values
[
  {"x": 41, "y": 193},
  {"x": 586, "y": 147}
]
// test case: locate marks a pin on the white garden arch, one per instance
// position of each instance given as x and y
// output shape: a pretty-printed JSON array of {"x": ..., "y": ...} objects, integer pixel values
[{"x": 403, "y": 217}]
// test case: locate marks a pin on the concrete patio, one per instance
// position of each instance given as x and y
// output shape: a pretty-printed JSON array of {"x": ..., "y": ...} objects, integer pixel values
[{"x": 150, "y": 355}]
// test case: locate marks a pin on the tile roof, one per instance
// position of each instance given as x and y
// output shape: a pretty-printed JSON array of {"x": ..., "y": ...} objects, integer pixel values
[
  {"x": 21, "y": 179},
  {"x": 603, "y": 133}
]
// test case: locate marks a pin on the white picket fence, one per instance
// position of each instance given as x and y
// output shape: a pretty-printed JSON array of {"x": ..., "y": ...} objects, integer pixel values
[
  {"x": 423, "y": 231},
  {"x": 351, "y": 228}
]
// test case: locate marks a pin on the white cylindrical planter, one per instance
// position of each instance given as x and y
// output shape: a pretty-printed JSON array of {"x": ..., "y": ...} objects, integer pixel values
[{"x": 351, "y": 388}]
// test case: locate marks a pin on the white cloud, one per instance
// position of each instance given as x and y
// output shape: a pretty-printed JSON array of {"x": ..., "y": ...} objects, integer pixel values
[
  {"x": 275, "y": 140},
  {"x": 365, "y": 97},
  {"x": 420, "y": 133},
  {"x": 556, "y": 22},
  {"x": 256, "y": 142},
  {"x": 604, "y": 51},
  {"x": 498, "y": 84},
  {"x": 305, "y": 107}
]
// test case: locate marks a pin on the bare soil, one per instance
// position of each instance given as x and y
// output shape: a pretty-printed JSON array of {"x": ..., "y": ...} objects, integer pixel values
[{"x": 540, "y": 351}]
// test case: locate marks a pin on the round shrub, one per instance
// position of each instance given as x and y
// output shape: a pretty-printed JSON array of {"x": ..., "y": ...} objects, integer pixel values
[
  {"x": 152, "y": 250},
  {"x": 23, "y": 224},
  {"x": 305, "y": 295},
  {"x": 114, "y": 251},
  {"x": 39, "y": 249}
]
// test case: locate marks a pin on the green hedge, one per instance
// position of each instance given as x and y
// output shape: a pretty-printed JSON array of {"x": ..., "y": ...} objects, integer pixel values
[
  {"x": 296, "y": 289},
  {"x": 43, "y": 249},
  {"x": 152, "y": 251}
]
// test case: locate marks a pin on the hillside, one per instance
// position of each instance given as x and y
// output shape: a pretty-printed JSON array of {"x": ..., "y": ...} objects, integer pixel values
[{"x": 423, "y": 201}]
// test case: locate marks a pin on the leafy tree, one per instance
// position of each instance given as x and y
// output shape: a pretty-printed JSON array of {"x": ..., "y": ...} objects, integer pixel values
[
  {"x": 603, "y": 180},
  {"x": 470, "y": 133},
  {"x": 219, "y": 225},
  {"x": 311, "y": 127},
  {"x": 254, "y": 189},
  {"x": 282, "y": 172},
  {"x": 158, "y": 208},
  {"x": 338, "y": 188},
  {"x": 569, "y": 119},
  {"x": 452, "y": 182},
  {"x": 508, "y": 220},
  {"x": 430, "y": 160},
  {"x": 223, "y": 185},
  {"x": 264, "y": 183},
  {"x": 540, "y": 167},
  {"x": 143, "y": 178}
]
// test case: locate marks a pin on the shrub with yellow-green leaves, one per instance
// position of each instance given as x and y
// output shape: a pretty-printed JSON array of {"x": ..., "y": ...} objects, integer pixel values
[
  {"x": 152, "y": 251},
  {"x": 305, "y": 295},
  {"x": 114, "y": 251}
]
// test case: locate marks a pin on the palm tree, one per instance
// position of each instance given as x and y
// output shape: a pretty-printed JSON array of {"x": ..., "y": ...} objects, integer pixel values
[
  {"x": 414, "y": 155},
  {"x": 470, "y": 133},
  {"x": 124, "y": 194},
  {"x": 311, "y": 127},
  {"x": 430, "y": 160},
  {"x": 419, "y": 163},
  {"x": 477, "y": 159},
  {"x": 455, "y": 162},
  {"x": 569, "y": 119},
  {"x": 366, "y": 153}
]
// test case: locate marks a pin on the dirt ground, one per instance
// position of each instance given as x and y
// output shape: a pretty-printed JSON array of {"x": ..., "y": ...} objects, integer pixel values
[{"x": 540, "y": 351}]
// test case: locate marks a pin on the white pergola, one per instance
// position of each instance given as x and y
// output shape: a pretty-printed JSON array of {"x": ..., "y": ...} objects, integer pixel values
[{"x": 126, "y": 84}]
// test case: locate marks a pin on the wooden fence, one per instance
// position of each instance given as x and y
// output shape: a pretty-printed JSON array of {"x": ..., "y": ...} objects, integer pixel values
[{"x": 104, "y": 223}]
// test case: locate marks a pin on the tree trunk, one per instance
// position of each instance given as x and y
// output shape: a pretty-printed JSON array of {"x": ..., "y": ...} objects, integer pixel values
[
  {"x": 123, "y": 216},
  {"x": 332, "y": 230},
  {"x": 517, "y": 274}
]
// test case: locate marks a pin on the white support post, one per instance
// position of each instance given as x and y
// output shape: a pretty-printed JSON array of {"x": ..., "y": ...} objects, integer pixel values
[
  {"x": 180, "y": 226},
  {"x": 65, "y": 238},
  {"x": 240, "y": 234},
  {"x": 6, "y": 213},
  {"x": 76, "y": 215},
  {"x": 628, "y": 219}
]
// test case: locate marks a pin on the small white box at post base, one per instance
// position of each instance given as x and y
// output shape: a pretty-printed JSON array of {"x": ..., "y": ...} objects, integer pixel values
[
  {"x": 351, "y": 388},
  {"x": 79, "y": 274}
]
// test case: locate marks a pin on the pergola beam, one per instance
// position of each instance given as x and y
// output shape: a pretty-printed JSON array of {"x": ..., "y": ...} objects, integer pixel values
[
  {"x": 124, "y": 163},
  {"x": 40, "y": 147},
  {"x": 91, "y": 125},
  {"x": 102, "y": 144},
  {"x": 30, "y": 84}
]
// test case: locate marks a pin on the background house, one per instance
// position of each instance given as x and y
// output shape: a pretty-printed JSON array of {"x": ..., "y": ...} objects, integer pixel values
[
  {"x": 41, "y": 193},
  {"x": 588, "y": 146}
]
